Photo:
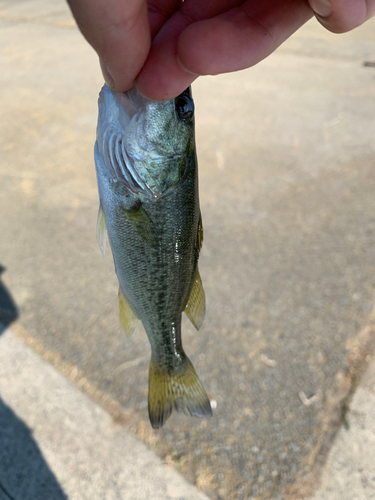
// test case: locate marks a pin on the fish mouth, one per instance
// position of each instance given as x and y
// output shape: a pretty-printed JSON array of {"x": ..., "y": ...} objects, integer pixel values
[
  {"x": 128, "y": 105},
  {"x": 118, "y": 106}
]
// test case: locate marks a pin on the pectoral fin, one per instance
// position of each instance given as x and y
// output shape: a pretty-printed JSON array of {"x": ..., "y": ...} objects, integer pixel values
[
  {"x": 128, "y": 319},
  {"x": 142, "y": 224},
  {"x": 196, "y": 306},
  {"x": 101, "y": 231}
]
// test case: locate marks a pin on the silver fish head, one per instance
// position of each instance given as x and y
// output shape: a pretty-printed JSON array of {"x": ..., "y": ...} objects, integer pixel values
[{"x": 145, "y": 144}]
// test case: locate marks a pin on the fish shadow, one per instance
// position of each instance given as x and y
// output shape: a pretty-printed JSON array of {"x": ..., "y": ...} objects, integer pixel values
[
  {"x": 24, "y": 473},
  {"x": 8, "y": 308}
]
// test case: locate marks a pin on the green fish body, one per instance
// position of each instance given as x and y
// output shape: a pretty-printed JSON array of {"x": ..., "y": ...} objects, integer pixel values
[{"x": 147, "y": 178}]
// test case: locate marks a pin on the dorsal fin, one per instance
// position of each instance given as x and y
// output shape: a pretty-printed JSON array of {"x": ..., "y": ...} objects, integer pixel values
[{"x": 200, "y": 232}]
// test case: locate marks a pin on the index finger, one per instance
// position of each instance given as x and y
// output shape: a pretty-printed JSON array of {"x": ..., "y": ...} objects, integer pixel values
[{"x": 211, "y": 40}]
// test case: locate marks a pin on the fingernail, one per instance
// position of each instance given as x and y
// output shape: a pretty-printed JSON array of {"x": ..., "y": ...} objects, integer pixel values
[
  {"x": 322, "y": 8},
  {"x": 107, "y": 77},
  {"x": 185, "y": 69}
]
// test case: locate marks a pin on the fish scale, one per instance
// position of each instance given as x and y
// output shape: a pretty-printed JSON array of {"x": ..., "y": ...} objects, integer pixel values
[{"x": 157, "y": 291}]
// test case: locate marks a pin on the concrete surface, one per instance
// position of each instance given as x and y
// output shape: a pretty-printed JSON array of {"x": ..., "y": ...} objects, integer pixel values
[
  {"x": 349, "y": 473},
  {"x": 287, "y": 179},
  {"x": 56, "y": 444}
]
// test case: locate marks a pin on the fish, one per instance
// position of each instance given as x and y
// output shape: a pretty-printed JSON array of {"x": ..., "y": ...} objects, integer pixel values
[{"x": 147, "y": 176}]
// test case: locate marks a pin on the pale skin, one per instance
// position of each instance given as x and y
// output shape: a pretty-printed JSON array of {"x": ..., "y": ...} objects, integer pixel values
[{"x": 162, "y": 46}]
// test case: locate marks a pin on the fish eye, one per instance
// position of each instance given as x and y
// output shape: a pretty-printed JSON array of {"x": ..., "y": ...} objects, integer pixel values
[{"x": 184, "y": 107}]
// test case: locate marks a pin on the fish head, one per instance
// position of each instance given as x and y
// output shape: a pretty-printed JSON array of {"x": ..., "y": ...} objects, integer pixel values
[
  {"x": 166, "y": 127},
  {"x": 146, "y": 144}
]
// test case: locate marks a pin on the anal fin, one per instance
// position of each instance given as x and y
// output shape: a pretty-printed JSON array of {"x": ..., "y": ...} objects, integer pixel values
[
  {"x": 196, "y": 306},
  {"x": 128, "y": 319}
]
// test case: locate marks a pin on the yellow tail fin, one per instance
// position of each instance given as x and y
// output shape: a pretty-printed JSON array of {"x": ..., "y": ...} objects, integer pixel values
[{"x": 180, "y": 389}]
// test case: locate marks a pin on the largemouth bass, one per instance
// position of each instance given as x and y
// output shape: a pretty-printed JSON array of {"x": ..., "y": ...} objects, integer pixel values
[{"x": 146, "y": 169}]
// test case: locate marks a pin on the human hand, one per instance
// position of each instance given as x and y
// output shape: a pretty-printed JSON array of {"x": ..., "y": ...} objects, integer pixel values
[{"x": 164, "y": 45}]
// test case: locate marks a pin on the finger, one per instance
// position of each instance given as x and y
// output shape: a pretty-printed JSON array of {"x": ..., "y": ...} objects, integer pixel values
[
  {"x": 119, "y": 32},
  {"x": 340, "y": 16},
  {"x": 162, "y": 77},
  {"x": 241, "y": 37},
  {"x": 230, "y": 41},
  {"x": 159, "y": 12}
]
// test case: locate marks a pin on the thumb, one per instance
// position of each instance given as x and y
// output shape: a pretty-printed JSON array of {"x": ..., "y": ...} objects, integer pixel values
[{"x": 340, "y": 16}]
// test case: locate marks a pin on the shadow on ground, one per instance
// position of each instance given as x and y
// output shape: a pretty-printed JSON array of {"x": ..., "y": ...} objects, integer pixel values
[
  {"x": 8, "y": 308},
  {"x": 24, "y": 473}
]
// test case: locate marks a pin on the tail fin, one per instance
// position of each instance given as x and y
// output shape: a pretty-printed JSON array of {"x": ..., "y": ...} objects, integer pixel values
[{"x": 180, "y": 389}]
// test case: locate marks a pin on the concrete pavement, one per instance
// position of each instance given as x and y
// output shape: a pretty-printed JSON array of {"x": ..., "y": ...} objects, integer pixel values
[
  {"x": 287, "y": 186},
  {"x": 349, "y": 473},
  {"x": 56, "y": 444}
]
